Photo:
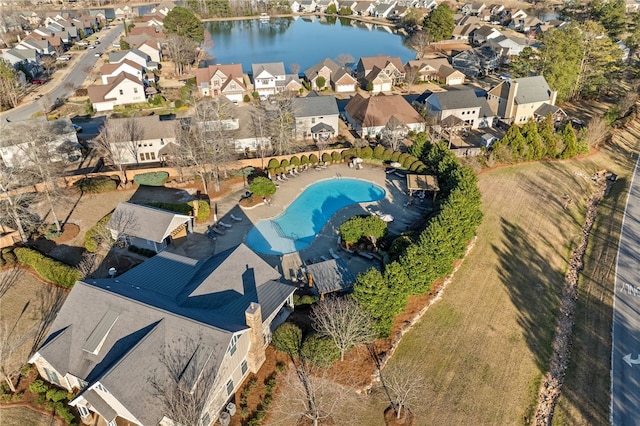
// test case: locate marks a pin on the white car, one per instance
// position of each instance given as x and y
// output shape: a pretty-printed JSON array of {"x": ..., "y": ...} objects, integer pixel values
[
  {"x": 97, "y": 54},
  {"x": 92, "y": 47}
]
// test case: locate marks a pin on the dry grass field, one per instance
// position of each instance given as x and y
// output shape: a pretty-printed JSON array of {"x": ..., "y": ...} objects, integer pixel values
[{"x": 484, "y": 347}]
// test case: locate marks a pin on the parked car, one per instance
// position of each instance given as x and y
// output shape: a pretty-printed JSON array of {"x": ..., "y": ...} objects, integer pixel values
[
  {"x": 77, "y": 128},
  {"x": 97, "y": 54},
  {"x": 37, "y": 81},
  {"x": 97, "y": 42},
  {"x": 63, "y": 58},
  {"x": 92, "y": 47}
]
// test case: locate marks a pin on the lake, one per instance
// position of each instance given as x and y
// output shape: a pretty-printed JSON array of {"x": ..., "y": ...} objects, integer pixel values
[{"x": 302, "y": 40}]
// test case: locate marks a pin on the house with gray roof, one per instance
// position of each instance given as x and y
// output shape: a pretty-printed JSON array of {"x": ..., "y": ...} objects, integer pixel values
[
  {"x": 460, "y": 104},
  {"x": 19, "y": 137},
  {"x": 135, "y": 55},
  {"x": 329, "y": 276},
  {"x": 149, "y": 227},
  {"x": 517, "y": 100},
  {"x": 507, "y": 47},
  {"x": 476, "y": 62},
  {"x": 315, "y": 116},
  {"x": 209, "y": 319},
  {"x": 267, "y": 77},
  {"x": 26, "y": 59}
]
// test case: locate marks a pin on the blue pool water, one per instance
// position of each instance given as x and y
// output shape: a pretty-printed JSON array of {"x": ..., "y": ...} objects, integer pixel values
[{"x": 299, "y": 224}]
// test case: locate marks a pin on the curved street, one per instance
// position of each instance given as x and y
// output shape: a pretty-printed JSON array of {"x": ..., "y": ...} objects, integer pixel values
[
  {"x": 625, "y": 354},
  {"x": 74, "y": 75}
]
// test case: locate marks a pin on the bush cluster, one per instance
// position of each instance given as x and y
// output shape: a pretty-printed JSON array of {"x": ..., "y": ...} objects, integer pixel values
[
  {"x": 186, "y": 208},
  {"x": 49, "y": 269},
  {"x": 8, "y": 257},
  {"x": 259, "y": 415},
  {"x": 357, "y": 227},
  {"x": 55, "y": 399},
  {"x": 151, "y": 178},
  {"x": 383, "y": 295},
  {"x": 98, "y": 184},
  {"x": 94, "y": 236},
  {"x": 142, "y": 251},
  {"x": 305, "y": 299}
]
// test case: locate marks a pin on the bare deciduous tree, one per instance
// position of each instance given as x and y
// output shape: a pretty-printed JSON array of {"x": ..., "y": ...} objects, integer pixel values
[
  {"x": 597, "y": 131},
  {"x": 344, "y": 322},
  {"x": 260, "y": 128},
  {"x": 344, "y": 59},
  {"x": 402, "y": 385},
  {"x": 420, "y": 42},
  {"x": 185, "y": 378},
  {"x": 110, "y": 144},
  {"x": 282, "y": 123},
  {"x": 183, "y": 52},
  {"x": 14, "y": 206},
  {"x": 394, "y": 133},
  {"x": 295, "y": 68}
]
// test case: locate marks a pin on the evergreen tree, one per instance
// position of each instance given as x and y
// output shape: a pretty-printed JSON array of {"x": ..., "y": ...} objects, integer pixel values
[
  {"x": 378, "y": 299},
  {"x": 570, "y": 142},
  {"x": 535, "y": 149},
  {"x": 611, "y": 14},
  {"x": 549, "y": 138},
  {"x": 184, "y": 23},
  {"x": 439, "y": 23}
]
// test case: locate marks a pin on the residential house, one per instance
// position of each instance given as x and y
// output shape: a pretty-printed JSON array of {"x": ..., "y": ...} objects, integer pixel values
[
  {"x": 495, "y": 10},
  {"x": 461, "y": 105},
  {"x": 473, "y": 9},
  {"x": 390, "y": 66},
  {"x": 383, "y": 10},
  {"x": 450, "y": 76},
  {"x": 108, "y": 71},
  {"x": 42, "y": 46},
  {"x": 507, "y": 47},
  {"x": 465, "y": 27},
  {"x": 517, "y": 100},
  {"x": 343, "y": 82},
  {"x": 163, "y": 8},
  {"x": 155, "y": 20},
  {"x": 122, "y": 89},
  {"x": 154, "y": 140},
  {"x": 125, "y": 12},
  {"x": 378, "y": 81},
  {"x": 251, "y": 134},
  {"x": 26, "y": 59},
  {"x": 364, "y": 8},
  {"x": 153, "y": 31},
  {"x": 524, "y": 24},
  {"x": 148, "y": 227},
  {"x": 323, "y": 70},
  {"x": 424, "y": 69},
  {"x": 135, "y": 55},
  {"x": 152, "y": 49},
  {"x": 112, "y": 337},
  {"x": 484, "y": 33},
  {"x": 322, "y": 5},
  {"x": 226, "y": 80},
  {"x": 507, "y": 15},
  {"x": 270, "y": 78},
  {"x": 315, "y": 116},
  {"x": 557, "y": 113},
  {"x": 476, "y": 62},
  {"x": 372, "y": 116},
  {"x": 348, "y": 4},
  {"x": 307, "y": 6},
  {"x": 59, "y": 136}
]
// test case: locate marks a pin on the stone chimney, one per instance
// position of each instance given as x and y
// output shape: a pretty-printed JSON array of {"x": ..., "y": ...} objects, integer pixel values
[
  {"x": 553, "y": 96},
  {"x": 256, "y": 355},
  {"x": 195, "y": 208},
  {"x": 511, "y": 100}
]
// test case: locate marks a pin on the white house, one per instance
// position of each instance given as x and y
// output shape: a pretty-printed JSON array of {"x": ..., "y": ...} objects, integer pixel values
[
  {"x": 122, "y": 89},
  {"x": 315, "y": 116},
  {"x": 59, "y": 136},
  {"x": 135, "y": 55},
  {"x": 152, "y": 49},
  {"x": 463, "y": 104},
  {"x": 213, "y": 317},
  {"x": 266, "y": 77},
  {"x": 108, "y": 71}
]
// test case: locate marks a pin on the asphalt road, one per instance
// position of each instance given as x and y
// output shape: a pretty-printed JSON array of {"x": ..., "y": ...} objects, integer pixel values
[
  {"x": 625, "y": 355},
  {"x": 76, "y": 76}
]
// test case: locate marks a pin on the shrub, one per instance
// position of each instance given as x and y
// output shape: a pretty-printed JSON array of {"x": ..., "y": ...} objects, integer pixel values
[
  {"x": 64, "y": 413},
  {"x": 378, "y": 152},
  {"x": 402, "y": 157},
  {"x": 417, "y": 166},
  {"x": 280, "y": 366},
  {"x": 56, "y": 395},
  {"x": 287, "y": 338},
  {"x": 409, "y": 161},
  {"x": 366, "y": 152},
  {"x": 306, "y": 299},
  {"x": 295, "y": 161},
  {"x": 284, "y": 163},
  {"x": 94, "y": 236},
  {"x": 97, "y": 184},
  {"x": 304, "y": 160},
  {"x": 320, "y": 350},
  {"x": 157, "y": 100},
  {"x": 336, "y": 157},
  {"x": 313, "y": 159},
  {"x": 151, "y": 178},
  {"x": 387, "y": 154},
  {"x": 185, "y": 208},
  {"x": 2, "y": 262},
  {"x": 49, "y": 269},
  {"x": 262, "y": 186},
  {"x": 395, "y": 156},
  {"x": 357, "y": 227},
  {"x": 9, "y": 256},
  {"x": 38, "y": 386},
  {"x": 273, "y": 164},
  {"x": 326, "y": 157}
]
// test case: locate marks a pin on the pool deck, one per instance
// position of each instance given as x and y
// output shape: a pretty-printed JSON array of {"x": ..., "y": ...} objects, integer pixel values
[{"x": 393, "y": 203}]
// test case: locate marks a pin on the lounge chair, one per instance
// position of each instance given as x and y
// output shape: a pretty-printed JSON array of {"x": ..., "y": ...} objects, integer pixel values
[
  {"x": 324, "y": 258},
  {"x": 390, "y": 171},
  {"x": 237, "y": 219},
  {"x": 401, "y": 175},
  {"x": 226, "y": 225},
  {"x": 334, "y": 254},
  {"x": 217, "y": 231},
  {"x": 365, "y": 255}
]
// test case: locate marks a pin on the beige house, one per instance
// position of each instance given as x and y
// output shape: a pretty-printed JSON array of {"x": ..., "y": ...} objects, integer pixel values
[
  {"x": 517, "y": 100},
  {"x": 390, "y": 66},
  {"x": 122, "y": 89},
  {"x": 212, "y": 318},
  {"x": 333, "y": 74},
  {"x": 371, "y": 116},
  {"x": 225, "y": 80},
  {"x": 434, "y": 69},
  {"x": 151, "y": 48}
]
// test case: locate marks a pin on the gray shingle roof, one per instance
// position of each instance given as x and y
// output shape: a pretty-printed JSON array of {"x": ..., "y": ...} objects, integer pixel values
[
  {"x": 532, "y": 89},
  {"x": 273, "y": 68},
  {"x": 310, "y": 73},
  {"x": 149, "y": 223},
  {"x": 330, "y": 276},
  {"x": 100, "y": 405},
  {"x": 455, "y": 99},
  {"x": 314, "y": 106}
]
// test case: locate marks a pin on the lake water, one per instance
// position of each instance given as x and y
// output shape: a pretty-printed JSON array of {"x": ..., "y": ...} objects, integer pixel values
[{"x": 303, "y": 41}]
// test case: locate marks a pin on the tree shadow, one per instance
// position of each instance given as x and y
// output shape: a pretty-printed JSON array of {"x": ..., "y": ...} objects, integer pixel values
[
  {"x": 49, "y": 300},
  {"x": 8, "y": 279},
  {"x": 533, "y": 286}
]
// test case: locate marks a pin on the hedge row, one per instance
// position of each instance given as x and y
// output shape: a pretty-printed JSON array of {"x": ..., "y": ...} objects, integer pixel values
[
  {"x": 94, "y": 236},
  {"x": 431, "y": 255},
  {"x": 49, "y": 269},
  {"x": 186, "y": 208},
  {"x": 98, "y": 184},
  {"x": 380, "y": 153},
  {"x": 151, "y": 178}
]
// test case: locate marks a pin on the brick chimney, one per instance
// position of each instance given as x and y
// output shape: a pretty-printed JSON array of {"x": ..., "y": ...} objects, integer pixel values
[
  {"x": 509, "y": 112},
  {"x": 256, "y": 355}
]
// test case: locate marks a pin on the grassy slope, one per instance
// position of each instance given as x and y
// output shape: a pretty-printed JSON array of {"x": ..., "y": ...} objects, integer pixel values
[{"x": 483, "y": 348}]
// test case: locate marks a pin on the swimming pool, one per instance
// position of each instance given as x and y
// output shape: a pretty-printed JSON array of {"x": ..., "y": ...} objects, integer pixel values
[{"x": 299, "y": 224}]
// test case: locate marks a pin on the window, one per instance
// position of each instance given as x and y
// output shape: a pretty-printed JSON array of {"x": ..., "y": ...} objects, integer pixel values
[
  {"x": 52, "y": 376},
  {"x": 313, "y": 120},
  {"x": 244, "y": 367},
  {"x": 121, "y": 92},
  {"x": 232, "y": 345},
  {"x": 83, "y": 410},
  {"x": 230, "y": 387},
  {"x": 102, "y": 388},
  {"x": 141, "y": 156},
  {"x": 135, "y": 90},
  {"x": 153, "y": 155},
  {"x": 205, "y": 419}
]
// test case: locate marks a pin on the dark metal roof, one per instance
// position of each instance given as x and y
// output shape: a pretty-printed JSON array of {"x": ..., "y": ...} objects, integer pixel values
[{"x": 330, "y": 276}]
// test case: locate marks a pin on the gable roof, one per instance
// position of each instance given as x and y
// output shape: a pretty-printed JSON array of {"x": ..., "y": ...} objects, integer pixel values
[
  {"x": 312, "y": 72},
  {"x": 273, "y": 68},
  {"x": 145, "y": 222},
  {"x": 230, "y": 71},
  {"x": 98, "y": 93},
  {"x": 314, "y": 106},
  {"x": 330, "y": 276},
  {"x": 454, "y": 99},
  {"x": 531, "y": 89},
  {"x": 108, "y": 69},
  {"x": 369, "y": 62},
  {"x": 119, "y": 56},
  {"x": 377, "y": 110}
]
